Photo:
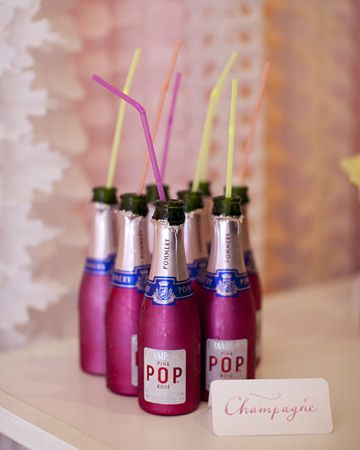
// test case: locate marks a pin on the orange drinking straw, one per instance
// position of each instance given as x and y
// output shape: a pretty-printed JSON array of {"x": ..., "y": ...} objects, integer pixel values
[
  {"x": 254, "y": 119},
  {"x": 163, "y": 90}
]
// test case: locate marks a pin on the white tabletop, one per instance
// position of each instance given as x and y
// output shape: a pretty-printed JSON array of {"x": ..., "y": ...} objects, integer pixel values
[{"x": 46, "y": 402}]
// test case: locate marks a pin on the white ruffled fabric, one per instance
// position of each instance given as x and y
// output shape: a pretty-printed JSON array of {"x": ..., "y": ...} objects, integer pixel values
[{"x": 34, "y": 157}]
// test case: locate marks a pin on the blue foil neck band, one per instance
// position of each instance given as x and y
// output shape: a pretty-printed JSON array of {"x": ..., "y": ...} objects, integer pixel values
[
  {"x": 227, "y": 283},
  {"x": 167, "y": 290},
  {"x": 135, "y": 279},
  {"x": 100, "y": 266}
]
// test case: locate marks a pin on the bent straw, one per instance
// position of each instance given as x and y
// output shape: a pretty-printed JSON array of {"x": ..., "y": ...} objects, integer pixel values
[
  {"x": 163, "y": 90},
  {"x": 149, "y": 142},
  {"x": 120, "y": 119},
  {"x": 201, "y": 165},
  {"x": 231, "y": 141},
  {"x": 170, "y": 121},
  {"x": 254, "y": 119}
]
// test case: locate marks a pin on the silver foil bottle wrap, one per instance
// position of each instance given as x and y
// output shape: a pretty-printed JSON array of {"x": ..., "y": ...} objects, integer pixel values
[
  {"x": 226, "y": 272},
  {"x": 133, "y": 258},
  {"x": 101, "y": 254},
  {"x": 207, "y": 222},
  {"x": 195, "y": 245},
  {"x": 245, "y": 239},
  {"x": 150, "y": 227},
  {"x": 168, "y": 279}
]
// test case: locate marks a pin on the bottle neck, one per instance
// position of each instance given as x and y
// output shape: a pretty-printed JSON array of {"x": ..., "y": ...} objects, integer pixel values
[
  {"x": 103, "y": 234},
  {"x": 226, "y": 249},
  {"x": 133, "y": 248},
  {"x": 169, "y": 252},
  {"x": 245, "y": 237},
  {"x": 151, "y": 208},
  {"x": 207, "y": 225},
  {"x": 195, "y": 245},
  {"x": 207, "y": 203}
]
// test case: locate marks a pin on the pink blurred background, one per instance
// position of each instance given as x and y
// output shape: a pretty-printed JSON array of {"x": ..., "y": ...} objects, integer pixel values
[{"x": 304, "y": 213}]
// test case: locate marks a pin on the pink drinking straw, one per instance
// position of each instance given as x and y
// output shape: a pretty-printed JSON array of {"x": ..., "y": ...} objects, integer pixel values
[
  {"x": 170, "y": 121},
  {"x": 253, "y": 122},
  {"x": 149, "y": 142}
]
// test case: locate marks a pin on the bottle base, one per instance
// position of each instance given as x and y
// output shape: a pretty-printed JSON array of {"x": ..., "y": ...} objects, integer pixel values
[
  {"x": 130, "y": 392},
  {"x": 167, "y": 410},
  {"x": 94, "y": 365},
  {"x": 167, "y": 414},
  {"x": 205, "y": 396},
  {"x": 95, "y": 372}
]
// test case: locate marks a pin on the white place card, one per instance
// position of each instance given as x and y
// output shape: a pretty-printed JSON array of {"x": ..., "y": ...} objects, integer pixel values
[{"x": 265, "y": 407}]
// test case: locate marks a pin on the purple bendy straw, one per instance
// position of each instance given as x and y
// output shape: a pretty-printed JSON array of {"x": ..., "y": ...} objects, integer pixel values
[
  {"x": 169, "y": 125},
  {"x": 149, "y": 142}
]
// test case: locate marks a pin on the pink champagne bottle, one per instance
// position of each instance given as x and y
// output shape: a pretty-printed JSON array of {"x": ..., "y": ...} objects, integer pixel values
[
  {"x": 95, "y": 283},
  {"x": 205, "y": 189},
  {"x": 128, "y": 286},
  {"x": 194, "y": 239},
  {"x": 229, "y": 310},
  {"x": 169, "y": 326},
  {"x": 242, "y": 192},
  {"x": 152, "y": 196}
]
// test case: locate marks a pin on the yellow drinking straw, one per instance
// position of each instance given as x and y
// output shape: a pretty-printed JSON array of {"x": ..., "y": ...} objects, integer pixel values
[
  {"x": 351, "y": 165},
  {"x": 202, "y": 162},
  {"x": 120, "y": 119},
  {"x": 231, "y": 141},
  {"x": 253, "y": 122}
]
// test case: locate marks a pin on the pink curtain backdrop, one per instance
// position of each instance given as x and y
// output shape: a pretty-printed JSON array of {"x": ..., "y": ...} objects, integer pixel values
[
  {"x": 312, "y": 118},
  {"x": 304, "y": 214},
  {"x": 110, "y": 30}
]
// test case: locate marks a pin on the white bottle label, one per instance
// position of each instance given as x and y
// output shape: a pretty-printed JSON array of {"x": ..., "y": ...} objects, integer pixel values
[
  {"x": 165, "y": 376},
  {"x": 225, "y": 360},
  {"x": 134, "y": 363},
  {"x": 258, "y": 334}
]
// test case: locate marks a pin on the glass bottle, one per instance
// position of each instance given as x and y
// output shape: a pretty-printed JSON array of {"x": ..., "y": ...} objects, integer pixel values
[
  {"x": 169, "y": 326},
  {"x": 229, "y": 310},
  {"x": 205, "y": 189},
  {"x": 194, "y": 240},
  {"x": 95, "y": 283},
  {"x": 129, "y": 278},
  {"x": 242, "y": 192},
  {"x": 152, "y": 196}
]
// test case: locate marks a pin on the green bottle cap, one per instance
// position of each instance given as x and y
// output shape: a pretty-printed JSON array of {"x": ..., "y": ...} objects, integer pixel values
[
  {"x": 106, "y": 195},
  {"x": 152, "y": 193},
  {"x": 226, "y": 206},
  {"x": 170, "y": 210},
  {"x": 204, "y": 188},
  {"x": 242, "y": 192},
  {"x": 192, "y": 200},
  {"x": 134, "y": 203}
]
